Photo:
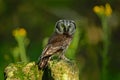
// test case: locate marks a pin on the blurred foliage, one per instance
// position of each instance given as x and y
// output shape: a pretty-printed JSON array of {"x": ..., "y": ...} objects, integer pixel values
[{"x": 38, "y": 19}]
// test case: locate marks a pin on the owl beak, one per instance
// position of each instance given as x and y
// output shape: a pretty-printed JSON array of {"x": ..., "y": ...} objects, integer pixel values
[
  {"x": 66, "y": 24},
  {"x": 65, "y": 28}
]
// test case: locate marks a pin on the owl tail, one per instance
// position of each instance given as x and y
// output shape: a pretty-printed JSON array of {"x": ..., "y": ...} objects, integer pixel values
[{"x": 43, "y": 62}]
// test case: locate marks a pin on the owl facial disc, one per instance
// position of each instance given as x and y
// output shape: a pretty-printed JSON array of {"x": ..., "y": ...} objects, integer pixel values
[{"x": 65, "y": 27}]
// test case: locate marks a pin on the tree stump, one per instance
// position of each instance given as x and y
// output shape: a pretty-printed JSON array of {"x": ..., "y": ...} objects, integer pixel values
[{"x": 56, "y": 70}]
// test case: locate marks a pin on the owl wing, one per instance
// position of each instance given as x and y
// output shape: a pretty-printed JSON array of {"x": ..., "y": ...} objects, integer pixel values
[
  {"x": 47, "y": 52},
  {"x": 50, "y": 50},
  {"x": 57, "y": 43},
  {"x": 54, "y": 44}
]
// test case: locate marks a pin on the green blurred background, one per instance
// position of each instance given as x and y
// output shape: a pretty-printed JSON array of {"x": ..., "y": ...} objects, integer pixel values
[{"x": 38, "y": 18}]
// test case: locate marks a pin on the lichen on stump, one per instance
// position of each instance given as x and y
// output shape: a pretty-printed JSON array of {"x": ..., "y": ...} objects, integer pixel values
[
  {"x": 64, "y": 70},
  {"x": 23, "y": 71},
  {"x": 56, "y": 70}
]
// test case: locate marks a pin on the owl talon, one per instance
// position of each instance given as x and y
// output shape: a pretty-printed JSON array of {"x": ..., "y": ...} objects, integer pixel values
[{"x": 64, "y": 58}]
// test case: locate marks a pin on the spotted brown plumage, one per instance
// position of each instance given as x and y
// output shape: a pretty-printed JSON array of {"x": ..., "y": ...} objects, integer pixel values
[{"x": 58, "y": 42}]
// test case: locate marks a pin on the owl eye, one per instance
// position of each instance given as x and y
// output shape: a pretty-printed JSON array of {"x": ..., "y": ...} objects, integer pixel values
[
  {"x": 71, "y": 29},
  {"x": 62, "y": 25},
  {"x": 59, "y": 27}
]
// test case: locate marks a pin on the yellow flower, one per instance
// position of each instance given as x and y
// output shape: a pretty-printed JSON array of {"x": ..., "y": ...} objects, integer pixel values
[
  {"x": 22, "y": 32},
  {"x": 96, "y": 9},
  {"x": 19, "y": 32},
  {"x": 101, "y": 10},
  {"x": 108, "y": 10}
]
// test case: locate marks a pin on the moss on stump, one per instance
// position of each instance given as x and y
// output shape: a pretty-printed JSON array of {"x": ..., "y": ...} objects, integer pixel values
[{"x": 56, "y": 70}]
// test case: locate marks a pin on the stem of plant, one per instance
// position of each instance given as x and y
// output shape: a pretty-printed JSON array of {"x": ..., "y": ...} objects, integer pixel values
[
  {"x": 22, "y": 50},
  {"x": 105, "y": 48}
]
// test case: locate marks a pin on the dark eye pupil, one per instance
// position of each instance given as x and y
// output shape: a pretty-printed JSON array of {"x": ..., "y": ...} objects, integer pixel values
[{"x": 62, "y": 25}]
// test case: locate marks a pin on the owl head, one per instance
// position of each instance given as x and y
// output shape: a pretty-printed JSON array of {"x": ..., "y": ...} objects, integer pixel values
[{"x": 65, "y": 27}]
